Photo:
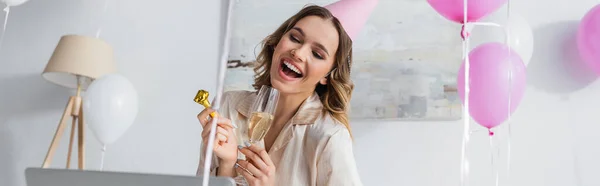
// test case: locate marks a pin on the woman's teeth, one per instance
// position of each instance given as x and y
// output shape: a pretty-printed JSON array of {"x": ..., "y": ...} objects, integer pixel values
[{"x": 292, "y": 67}]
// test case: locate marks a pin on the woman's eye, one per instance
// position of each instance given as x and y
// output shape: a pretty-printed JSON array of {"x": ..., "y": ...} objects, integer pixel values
[
  {"x": 317, "y": 55},
  {"x": 294, "y": 39}
]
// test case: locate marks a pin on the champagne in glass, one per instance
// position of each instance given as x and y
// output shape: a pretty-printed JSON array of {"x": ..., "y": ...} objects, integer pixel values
[
  {"x": 262, "y": 112},
  {"x": 259, "y": 125}
]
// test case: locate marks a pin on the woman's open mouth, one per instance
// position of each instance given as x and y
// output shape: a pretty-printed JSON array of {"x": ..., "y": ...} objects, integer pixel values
[{"x": 289, "y": 71}]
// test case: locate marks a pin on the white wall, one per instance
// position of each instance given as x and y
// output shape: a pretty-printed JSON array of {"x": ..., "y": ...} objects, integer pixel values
[
  {"x": 554, "y": 132},
  {"x": 165, "y": 49}
]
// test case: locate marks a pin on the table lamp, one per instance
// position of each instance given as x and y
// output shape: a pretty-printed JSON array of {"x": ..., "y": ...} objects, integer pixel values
[{"x": 76, "y": 62}]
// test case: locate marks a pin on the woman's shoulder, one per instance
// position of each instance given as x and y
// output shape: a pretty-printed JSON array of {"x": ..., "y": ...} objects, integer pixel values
[
  {"x": 236, "y": 93},
  {"x": 234, "y": 96},
  {"x": 327, "y": 127}
]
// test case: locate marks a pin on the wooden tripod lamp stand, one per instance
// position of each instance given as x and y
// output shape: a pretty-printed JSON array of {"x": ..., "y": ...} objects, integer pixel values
[{"x": 75, "y": 63}]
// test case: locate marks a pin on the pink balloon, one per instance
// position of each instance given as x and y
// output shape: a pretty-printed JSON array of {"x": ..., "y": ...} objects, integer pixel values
[
  {"x": 476, "y": 9},
  {"x": 490, "y": 68},
  {"x": 588, "y": 38}
]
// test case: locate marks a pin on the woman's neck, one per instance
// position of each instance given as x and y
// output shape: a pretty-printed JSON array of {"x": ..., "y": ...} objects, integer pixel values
[{"x": 287, "y": 106}]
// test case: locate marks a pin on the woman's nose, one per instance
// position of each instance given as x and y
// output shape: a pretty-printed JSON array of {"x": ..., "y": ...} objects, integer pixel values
[{"x": 299, "y": 54}]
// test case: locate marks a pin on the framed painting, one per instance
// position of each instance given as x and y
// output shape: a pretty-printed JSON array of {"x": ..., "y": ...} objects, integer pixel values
[{"x": 405, "y": 65}]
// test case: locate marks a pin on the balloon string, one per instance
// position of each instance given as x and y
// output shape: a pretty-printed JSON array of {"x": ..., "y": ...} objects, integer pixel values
[
  {"x": 510, "y": 78},
  {"x": 6, "y": 13},
  {"x": 574, "y": 148},
  {"x": 486, "y": 24},
  {"x": 102, "y": 15},
  {"x": 493, "y": 159},
  {"x": 466, "y": 132},
  {"x": 102, "y": 153},
  {"x": 222, "y": 66}
]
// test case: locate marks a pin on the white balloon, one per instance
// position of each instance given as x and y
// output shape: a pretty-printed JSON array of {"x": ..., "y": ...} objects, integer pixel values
[
  {"x": 110, "y": 107},
  {"x": 520, "y": 34},
  {"x": 13, "y": 2},
  {"x": 521, "y": 37}
]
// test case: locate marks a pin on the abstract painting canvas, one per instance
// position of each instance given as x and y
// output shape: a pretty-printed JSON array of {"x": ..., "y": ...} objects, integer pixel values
[{"x": 405, "y": 64}]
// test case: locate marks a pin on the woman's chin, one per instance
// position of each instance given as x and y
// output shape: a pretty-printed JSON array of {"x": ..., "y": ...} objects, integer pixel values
[
  {"x": 283, "y": 86},
  {"x": 279, "y": 85}
]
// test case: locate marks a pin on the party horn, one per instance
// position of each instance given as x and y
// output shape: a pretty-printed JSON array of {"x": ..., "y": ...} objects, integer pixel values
[{"x": 202, "y": 99}]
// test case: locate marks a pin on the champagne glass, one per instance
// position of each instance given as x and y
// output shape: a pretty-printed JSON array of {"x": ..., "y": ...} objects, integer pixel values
[
  {"x": 260, "y": 120},
  {"x": 262, "y": 112}
]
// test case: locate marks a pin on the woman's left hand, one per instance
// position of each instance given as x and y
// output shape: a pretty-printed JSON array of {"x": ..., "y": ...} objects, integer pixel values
[{"x": 259, "y": 164}]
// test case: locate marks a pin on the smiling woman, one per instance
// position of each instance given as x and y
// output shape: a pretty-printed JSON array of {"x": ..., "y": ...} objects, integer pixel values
[
  {"x": 307, "y": 59},
  {"x": 405, "y": 58}
]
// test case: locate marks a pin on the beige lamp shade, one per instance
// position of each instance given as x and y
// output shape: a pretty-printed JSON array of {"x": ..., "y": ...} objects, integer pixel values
[{"x": 79, "y": 56}]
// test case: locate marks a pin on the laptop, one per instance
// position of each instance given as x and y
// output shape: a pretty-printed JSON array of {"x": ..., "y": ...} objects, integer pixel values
[{"x": 69, "y": 177}]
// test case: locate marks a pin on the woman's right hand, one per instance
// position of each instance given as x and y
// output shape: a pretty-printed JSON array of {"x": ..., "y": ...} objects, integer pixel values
[{"x": 225, "y": 144}]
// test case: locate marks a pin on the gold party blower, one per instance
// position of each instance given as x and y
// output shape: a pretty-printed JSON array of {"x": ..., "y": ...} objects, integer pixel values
[{"x": 202, "y": 99}]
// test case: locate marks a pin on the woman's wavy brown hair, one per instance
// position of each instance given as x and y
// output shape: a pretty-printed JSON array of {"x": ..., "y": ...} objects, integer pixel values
[{"x": 335, "y": 95}]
